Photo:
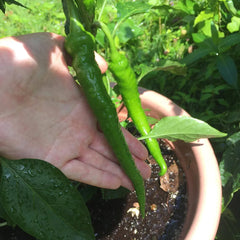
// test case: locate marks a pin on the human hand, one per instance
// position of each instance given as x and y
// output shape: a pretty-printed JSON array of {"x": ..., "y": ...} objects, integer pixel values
[{"x": 44, "y": 114}]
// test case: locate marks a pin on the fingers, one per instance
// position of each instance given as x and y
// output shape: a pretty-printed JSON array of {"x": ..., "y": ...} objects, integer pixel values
[
  {"x": 101, "y": 146},
  {"x": 102, "y": 64},
  {"x": 100, "y": 172},
  {"x": 84, "y": 173},
  {"x": 143, "y": 167},
  {"x": 137, "y": 149},
  {"x": 135, "y": 146},
  {"x": 94, "y": 159},
  {"x": 94, "y": 169}
]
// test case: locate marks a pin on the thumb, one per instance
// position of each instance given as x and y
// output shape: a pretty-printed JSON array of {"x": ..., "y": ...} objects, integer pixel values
[{"x": 102, "y": 64}]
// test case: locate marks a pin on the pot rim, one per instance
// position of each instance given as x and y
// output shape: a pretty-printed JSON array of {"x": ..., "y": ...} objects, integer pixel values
[{"x": 202, "y": 173}]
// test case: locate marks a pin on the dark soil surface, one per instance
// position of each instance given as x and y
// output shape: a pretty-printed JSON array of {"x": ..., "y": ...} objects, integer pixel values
[{"x": 166, "y": 204}]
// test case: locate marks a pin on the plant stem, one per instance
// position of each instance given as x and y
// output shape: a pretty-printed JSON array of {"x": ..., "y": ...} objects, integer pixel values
[
  {"x": 101, "y": 12},
  {"x": 3, "y": 224},
  {"x": 109, "y": 37}
]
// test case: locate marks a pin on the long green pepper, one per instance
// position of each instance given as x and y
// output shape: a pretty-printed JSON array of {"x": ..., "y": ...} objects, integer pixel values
[
  {"x": 80, "y": 45},
  {"x": 128, "y": 88}
]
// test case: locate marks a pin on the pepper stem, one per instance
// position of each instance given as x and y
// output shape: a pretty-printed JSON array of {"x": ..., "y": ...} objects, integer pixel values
[{"x": 108, "y": 34}]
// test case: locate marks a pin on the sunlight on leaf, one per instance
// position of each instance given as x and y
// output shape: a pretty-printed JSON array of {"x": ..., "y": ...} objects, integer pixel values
[
  {"x": 125, "y": 11},
  {"x": 203, "y": 16},
  {"x": 131, "y": 8},
  {"x": 234, "y": 25},
  {"x": 173, "y": 67}
]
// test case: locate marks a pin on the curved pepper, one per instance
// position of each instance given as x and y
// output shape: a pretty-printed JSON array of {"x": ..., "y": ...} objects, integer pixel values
[
  {"x": 128, "y": 88},
  {"x": 80, "y": 45}
]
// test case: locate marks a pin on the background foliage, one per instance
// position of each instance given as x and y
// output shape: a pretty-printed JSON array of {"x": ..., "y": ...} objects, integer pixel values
[{"x": 186, "y": 50}]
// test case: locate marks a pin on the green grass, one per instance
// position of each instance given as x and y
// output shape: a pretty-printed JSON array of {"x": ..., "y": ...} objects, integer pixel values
[{"x": 42, "y": 16}]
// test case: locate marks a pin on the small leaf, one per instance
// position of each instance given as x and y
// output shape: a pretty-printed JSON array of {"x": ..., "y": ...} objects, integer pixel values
[
  {"x": 165, "y": 65},
  {"x": 232, "y": 117},
  {"x": 229, "y": 228},
  {"x": 234, "y": 25},
  {"x": 125, "y": 11},
  {"x": 230, "y": 7},
  {"x": 228, "y": 42},
  {"x": 230, "y": 169},
  {"x": 203, "y": 16},
  {"x": 185, "y": 6},
  {"x": 183, "y": 128},
  {"x": 128, "y": 30},
  {"x": 208, "y": 43},
  {"x": 196, "y": 55},
  {"x": 227, "y": 68},
  {"x": 198, "y": 37},
  {"x": 214, "y": 31},
  {"x": 42, "y": 201},
  {"x": 151, "y": 120},
  {"x": 131, "y": 8}
]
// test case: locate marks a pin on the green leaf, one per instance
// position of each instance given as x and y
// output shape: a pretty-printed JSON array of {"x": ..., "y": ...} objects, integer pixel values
[
  {"x": 228, "y": 42},
  {"x": 232, "y": 117},
  {"x": 128, "y": 30},
  {"x": 229, "y": 227},
  {"x": 230, "y": 169},
  {"x": 164, "y": 65},
  {"x": 214, "y": 31},
  {"x": 125, "y": 11},
  {"x": 209, "y": 43},
  {"x": 227, "y": 68},
  {"x": 203, "y": 16},
  {"x": 131, "y": 8},
  {"x": 42, "y": 201},
  {"x": 186, "y": 6},
  {"x": 196, "y": 55},
  {"x": 205, "y": 27},
  {"x": 230, "y": 7},
  {"x": 198, "y": 37},
  {"x": 234, "y": 25},
  {"x": 4, "y": 216},
  {"x": 183, "y": 128}
]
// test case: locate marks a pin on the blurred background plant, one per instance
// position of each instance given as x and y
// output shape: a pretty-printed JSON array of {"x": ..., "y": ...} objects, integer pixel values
[{"x": 186, "y": 50}]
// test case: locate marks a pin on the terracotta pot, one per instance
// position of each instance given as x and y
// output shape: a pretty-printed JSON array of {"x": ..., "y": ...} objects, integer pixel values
[{"x": 201, "y": 169}]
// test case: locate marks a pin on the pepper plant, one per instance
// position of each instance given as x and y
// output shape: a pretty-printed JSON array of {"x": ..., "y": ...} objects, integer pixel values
[{"x": 38, "y": 197}]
